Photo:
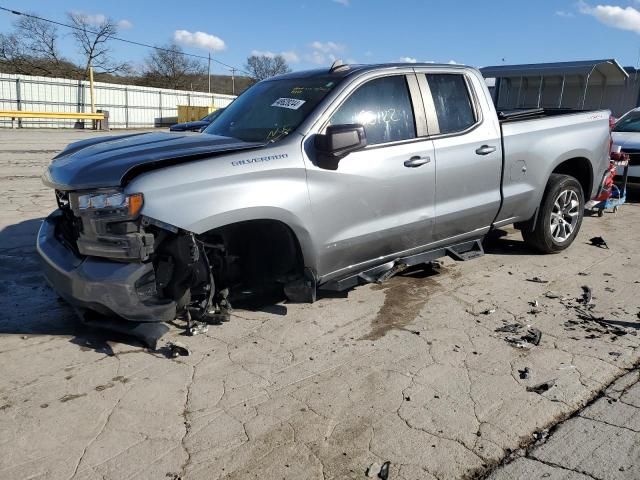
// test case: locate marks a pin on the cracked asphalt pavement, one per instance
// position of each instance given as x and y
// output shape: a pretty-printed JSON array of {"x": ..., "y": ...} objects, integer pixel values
[{"x": 412, "y": 371}]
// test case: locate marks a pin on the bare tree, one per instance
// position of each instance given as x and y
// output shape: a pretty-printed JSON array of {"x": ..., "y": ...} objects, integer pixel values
[
  {"x": 169, "y": 68},
  {"x": 262, "y": 66},
  {"x": 33, "y": 48},
  {"x": 92, "y": 38}
]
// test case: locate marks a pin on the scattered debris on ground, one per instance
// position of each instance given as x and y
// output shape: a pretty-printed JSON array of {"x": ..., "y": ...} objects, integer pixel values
[
  {"x": 587, "y": 295},
  {"x": 178, "y": 349},
  {"x": 529, "y": 337},
  {"x": 524, "y": 373},
  {"x": 198, "y": 328},
  {"x": 537, "y": 280},
  {"x": 510, "y": 328},
  {"x": 541, "y": 387},
  {"x": 383, "y": 474},
  {"x": 375, "y": 470},
  {"x": 599, "y": 242},
  {"x": 533, "y": 336}
]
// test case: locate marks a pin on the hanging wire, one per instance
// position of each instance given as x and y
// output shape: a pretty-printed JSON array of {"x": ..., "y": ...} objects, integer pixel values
[{"x": 124, "y": 40}]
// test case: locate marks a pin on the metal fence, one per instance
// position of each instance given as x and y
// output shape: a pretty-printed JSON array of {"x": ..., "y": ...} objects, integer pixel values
[{"x": 129, "y": 106}]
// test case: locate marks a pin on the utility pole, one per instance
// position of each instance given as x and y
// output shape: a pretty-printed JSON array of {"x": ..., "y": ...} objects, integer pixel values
[
  {"x": 233, "y": 80},
  {"x": 91, "y": 94},
  {"x": 209, "y": 72}
]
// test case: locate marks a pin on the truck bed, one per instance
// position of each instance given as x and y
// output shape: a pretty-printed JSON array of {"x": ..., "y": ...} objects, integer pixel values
[
  {"x": 535, "y": 141},
  {"x": 521, "y": 114}
]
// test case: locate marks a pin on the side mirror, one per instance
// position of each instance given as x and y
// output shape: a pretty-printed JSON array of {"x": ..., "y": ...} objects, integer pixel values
[{"x": 338, "y": 142}]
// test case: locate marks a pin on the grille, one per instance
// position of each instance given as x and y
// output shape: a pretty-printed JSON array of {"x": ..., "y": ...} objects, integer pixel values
[{"x": 634, "y": 155}]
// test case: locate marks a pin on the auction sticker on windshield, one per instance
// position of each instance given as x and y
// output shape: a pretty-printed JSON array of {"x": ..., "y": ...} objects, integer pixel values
[{"x": 291, "y": 103}]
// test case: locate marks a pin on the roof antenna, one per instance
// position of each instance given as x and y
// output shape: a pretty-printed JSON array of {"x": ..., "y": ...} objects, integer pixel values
[{"x": 338, "y": 65}]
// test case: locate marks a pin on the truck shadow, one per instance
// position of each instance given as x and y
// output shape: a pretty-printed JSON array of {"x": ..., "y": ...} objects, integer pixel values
[
  {"x": 30, "y": 307},
  {"x": 498, "y": 242}
]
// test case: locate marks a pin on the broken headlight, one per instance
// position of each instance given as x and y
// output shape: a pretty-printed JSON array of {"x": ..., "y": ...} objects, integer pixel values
[{"x": 116, "y": 200}]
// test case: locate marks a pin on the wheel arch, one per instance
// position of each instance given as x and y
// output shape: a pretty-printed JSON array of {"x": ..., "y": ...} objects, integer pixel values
[{"x": 579, "y": 168}]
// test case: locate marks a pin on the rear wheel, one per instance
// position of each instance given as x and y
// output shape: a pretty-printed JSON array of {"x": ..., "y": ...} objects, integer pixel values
[{"x": 559, "y": 217}]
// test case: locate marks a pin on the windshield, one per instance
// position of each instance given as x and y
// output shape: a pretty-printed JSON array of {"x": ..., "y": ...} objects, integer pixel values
[
  {"x": 271, "y": 109},
  {"x": 212, "y": 116},
  {"x": 629, "y": 123}
]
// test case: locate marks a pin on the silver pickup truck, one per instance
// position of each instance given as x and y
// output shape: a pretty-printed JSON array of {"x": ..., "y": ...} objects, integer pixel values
[{"x": 313, "y": 180}]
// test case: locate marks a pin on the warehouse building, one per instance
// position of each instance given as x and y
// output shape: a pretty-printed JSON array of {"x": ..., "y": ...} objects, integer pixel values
[{"x": 589, "y": 84}]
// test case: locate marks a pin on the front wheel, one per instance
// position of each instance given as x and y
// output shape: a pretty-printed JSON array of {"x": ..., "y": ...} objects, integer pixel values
[{"x": 559, "y": 217}]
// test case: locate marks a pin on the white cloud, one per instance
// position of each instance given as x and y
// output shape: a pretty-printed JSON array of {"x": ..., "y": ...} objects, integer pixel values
[
  {"x": 199, "y": 39},
  {"x": 613, "y": 16},
  {"x": 124, "y": 24},
  {"x": 344, "y": 3},
  {"x": 452, "y": 62},
  {"x": 562, "y": 13},
  {"x": 97, "y": 19},
  {"x": 91, "y": 18},
  {"x": 408, "y": 59},
  {"x": 323, "y": 52},
  {"x": 290, "y": 56},
  {"x": 327, "y": 47}
]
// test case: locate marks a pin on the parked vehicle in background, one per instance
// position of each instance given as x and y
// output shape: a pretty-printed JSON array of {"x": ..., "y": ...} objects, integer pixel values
[
  {"x": 197, "y": 125},
  {"x": 322, "y": 179},
  {"x": 626, "y": 139}
]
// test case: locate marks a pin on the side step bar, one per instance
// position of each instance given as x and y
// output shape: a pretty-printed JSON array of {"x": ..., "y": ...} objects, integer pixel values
[{"x": 460, "y": 252}]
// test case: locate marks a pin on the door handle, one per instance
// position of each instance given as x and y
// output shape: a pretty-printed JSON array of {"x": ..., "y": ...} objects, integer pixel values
[
  {"x": 485, "y": 150},
  {"x": 416, "y": 161}
]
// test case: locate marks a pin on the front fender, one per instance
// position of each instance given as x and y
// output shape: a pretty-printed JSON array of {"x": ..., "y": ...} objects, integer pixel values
[{"x": 205, "y": 195}]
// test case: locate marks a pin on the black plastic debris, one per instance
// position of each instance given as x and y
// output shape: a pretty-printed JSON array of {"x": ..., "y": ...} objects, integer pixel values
[
  {"x": 598, "y": 242},
  {"x": 524, "y": 373},
  {"x": 537, "y": 280},
  {"x": 510, "y": 328},
  {"x": 383, "y": 474},
  {"x": 587, "y": 295},
  {"x": 533, "y": 336},
  {"x": 178, "y": 349},
  {"x": 541, "y": 387}
]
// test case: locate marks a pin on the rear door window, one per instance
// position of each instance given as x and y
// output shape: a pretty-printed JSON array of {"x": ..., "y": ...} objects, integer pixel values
[
  {"x": 383, "y": 107},
  {"x": 452, "y": 102}
]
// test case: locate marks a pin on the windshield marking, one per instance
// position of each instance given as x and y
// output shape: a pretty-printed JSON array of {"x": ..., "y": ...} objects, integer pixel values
[{"x": 290, "y": 103}]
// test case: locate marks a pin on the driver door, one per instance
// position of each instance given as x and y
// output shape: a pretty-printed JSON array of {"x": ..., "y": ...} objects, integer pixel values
[{"x": 379, "y": 203}]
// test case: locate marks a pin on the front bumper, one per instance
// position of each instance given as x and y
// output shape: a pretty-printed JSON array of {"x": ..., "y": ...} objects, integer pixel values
[{"x": 97, "y": 284}]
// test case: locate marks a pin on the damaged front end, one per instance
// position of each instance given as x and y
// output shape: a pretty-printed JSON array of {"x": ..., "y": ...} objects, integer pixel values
[{"x": 101, "y": 255}]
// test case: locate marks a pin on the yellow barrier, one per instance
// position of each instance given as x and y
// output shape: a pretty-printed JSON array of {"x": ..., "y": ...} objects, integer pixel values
[
  {"x": 60, "y": 115},
  {"x": 188, "y": 113}
]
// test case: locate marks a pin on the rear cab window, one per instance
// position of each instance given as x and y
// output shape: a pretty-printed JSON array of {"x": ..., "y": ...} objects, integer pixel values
[
  {"x": 383, "y": 106},
  {"x": 452, "y": 101}
]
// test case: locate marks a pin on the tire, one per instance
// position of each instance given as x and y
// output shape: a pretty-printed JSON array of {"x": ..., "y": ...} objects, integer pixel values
[{"x": 559, "y": 216}]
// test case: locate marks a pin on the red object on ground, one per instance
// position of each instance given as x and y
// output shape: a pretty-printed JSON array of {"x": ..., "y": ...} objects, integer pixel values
[{"x": 607, "y": 184}]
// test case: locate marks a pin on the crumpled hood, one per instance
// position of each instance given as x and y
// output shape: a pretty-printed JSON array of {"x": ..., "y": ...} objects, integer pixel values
[
  {"x": 111, "y": 161},
  {"x": 626, "y": 139}
]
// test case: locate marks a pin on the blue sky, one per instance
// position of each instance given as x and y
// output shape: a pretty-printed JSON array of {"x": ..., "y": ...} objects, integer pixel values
[{"x": 313, "y": 32}]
